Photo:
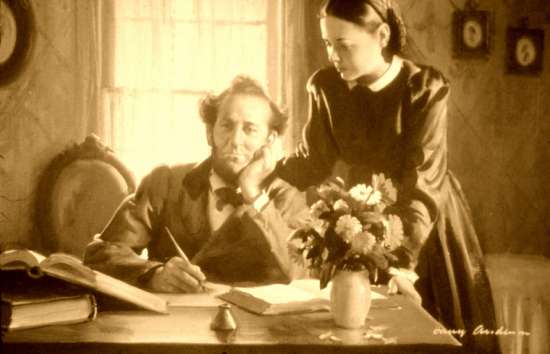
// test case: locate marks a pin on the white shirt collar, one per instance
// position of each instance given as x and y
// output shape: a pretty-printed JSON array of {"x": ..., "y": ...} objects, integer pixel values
[
  {"x": 216, "y": 182},
  {"x": 386, "y": 78}
]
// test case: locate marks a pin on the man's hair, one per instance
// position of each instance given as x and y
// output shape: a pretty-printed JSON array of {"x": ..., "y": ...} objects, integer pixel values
[{"x": 210, "y": 104}]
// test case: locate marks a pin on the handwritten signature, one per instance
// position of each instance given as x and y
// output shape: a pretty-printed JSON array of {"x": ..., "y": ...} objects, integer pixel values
[{"x": 480, "y": 330}]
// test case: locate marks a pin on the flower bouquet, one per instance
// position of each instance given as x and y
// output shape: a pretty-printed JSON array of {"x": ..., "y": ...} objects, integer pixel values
[{"x": 349, "y": 229}]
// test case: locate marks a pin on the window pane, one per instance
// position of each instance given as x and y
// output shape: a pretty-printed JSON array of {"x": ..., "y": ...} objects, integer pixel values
[
  {"x": 133, "y": 54},
  {"x": 134, "y": 9},
  {"x": 167, "y": 54},
  {"x": 183, "y": 9},
  {"x": 240, "y": 49},
  {"x": 193, "y": 57},
  {"x": 233, "y": 10},
  {"x": 187, "y": 141},
  {"x": 252, "y": 10},
  {"x": 152, "y": 128}
]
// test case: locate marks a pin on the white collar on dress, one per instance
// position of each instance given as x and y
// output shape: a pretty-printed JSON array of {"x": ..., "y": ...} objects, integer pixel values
[{"x": 386, "y": 78}]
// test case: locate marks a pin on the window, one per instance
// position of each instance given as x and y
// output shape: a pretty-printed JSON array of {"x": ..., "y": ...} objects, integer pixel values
[{"x": 161, "y": 56}]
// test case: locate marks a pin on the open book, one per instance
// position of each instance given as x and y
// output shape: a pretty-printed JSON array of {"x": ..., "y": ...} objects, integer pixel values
[
  {"x": 70, "y": 269},
  {"x": 299, "y": 296}
]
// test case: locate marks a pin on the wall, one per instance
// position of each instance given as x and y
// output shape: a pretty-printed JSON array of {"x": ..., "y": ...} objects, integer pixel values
[
  {"x": 499, "y": 124},
  {"x": 41, "y": 113}
]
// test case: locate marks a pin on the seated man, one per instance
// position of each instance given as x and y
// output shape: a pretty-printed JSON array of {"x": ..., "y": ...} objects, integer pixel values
[{"x": 228, "y": 236}]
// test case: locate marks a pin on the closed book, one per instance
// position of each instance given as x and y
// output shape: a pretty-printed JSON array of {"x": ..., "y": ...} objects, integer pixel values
[
  {"x": 70, "y": 269},
  {"x": 300, "y": 296},
  {"x": 29, "y": 310}
]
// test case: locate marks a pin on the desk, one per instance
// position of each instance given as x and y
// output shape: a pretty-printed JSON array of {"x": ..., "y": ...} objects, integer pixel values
[{"x": 186, "y": 330}]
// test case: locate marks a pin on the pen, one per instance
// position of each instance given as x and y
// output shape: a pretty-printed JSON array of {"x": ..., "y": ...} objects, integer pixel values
[{"x": 180, "y": 252}]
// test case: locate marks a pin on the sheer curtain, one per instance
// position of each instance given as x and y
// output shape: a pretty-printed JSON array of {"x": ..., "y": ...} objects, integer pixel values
[
  {"x": 303, "y": 53},
  {"x": 160, "y": 56}
]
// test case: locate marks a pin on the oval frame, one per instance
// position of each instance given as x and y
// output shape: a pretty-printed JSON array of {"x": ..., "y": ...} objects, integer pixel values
[{"x": 23, "y": 15}]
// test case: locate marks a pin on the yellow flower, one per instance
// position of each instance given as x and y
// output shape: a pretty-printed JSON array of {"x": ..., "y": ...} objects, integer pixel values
[
  {"x": 341, "y": 205},
  {"x": 347, "y": 227},
  {"x": 363, "y": 242},
  {"x": 374, "y": 198}
]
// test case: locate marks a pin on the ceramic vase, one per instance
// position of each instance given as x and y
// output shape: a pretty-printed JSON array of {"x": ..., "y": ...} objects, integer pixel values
[{"x": 350, "y": 298}]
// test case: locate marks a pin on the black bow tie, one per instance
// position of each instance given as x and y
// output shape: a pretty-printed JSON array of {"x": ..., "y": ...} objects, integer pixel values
[{"x": 228, "y": 195}]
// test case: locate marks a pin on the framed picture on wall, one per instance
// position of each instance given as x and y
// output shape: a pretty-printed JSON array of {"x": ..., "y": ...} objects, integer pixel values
[
  {"x": 471, "y": 34},
  {"x": 524, "y": 50},
  {"x": 16, "y": 34}
]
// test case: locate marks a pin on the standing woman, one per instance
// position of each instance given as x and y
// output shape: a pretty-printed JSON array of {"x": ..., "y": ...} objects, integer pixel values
[{"x": 380, "y": 113}]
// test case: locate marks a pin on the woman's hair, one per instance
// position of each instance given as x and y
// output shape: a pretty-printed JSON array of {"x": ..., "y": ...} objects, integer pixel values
[
  {"x": 210, "y": 104},
  {"x": 358, "y": 11}
]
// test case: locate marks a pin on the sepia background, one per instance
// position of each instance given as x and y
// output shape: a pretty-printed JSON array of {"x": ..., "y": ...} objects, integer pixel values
[{"x": 132, "y": 71}]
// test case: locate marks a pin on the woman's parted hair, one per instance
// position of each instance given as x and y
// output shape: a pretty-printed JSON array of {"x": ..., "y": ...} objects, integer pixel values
[
  {"x": 357, "y": 11},
  {"x": 210, "y": 104}
]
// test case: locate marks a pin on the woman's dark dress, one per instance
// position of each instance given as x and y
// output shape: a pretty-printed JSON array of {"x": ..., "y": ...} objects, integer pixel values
[{"x": 401, "y": 131}]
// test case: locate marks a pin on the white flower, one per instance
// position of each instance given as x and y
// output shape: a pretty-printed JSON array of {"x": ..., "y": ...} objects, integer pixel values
[
  {"x": 365, "y": 194},
  {"x": 374, "y": 198},
  {"x": 360, "y": 192},
  {"x": 341, "y": 205},
  {"x": 318, "y": 208},
  {"x": 363, "y": 242},
  {"x": 347, "y": 227},
  {"x": 394, "y": 232}
]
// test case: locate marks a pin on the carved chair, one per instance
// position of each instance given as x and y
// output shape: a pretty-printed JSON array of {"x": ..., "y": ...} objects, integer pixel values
[{"x": 78, "y": 194}]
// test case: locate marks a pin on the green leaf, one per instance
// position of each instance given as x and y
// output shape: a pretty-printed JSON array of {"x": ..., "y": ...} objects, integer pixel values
[
  {"x": 301, "y": 234},
  {"x": 389, "y": 192},
  {"x": 314, "y": 252},
  {"x": 327, "y": 272},
  {"x": 378, "y": 257}
]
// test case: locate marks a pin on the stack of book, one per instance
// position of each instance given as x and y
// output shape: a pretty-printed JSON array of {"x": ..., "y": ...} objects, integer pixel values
[{"x": 38, "y": 291}]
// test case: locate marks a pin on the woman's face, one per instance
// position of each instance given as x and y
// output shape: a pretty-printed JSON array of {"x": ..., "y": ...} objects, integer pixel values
[{"x": 352, "y": 49}]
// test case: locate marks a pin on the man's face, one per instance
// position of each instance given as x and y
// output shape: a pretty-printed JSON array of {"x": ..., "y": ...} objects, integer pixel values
[{"x": 241, "y": 128}]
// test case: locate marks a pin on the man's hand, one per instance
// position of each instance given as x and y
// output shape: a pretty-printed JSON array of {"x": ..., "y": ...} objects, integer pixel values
[
  {"x": 177, "y": 276},
  {"x": 400, "y": 283},
  {"x": 259, "y": 168}
]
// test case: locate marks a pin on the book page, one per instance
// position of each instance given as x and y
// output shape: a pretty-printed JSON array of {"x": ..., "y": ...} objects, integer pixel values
[
  {"x": 124, "y": 291},
  {"x": 279, "y": 293},
  {"x": 205, "y": 299},
  {"x": 71, "y": 269},
  {"x": 68, "y": 268},
  {"x": 20, "y": 259}
]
